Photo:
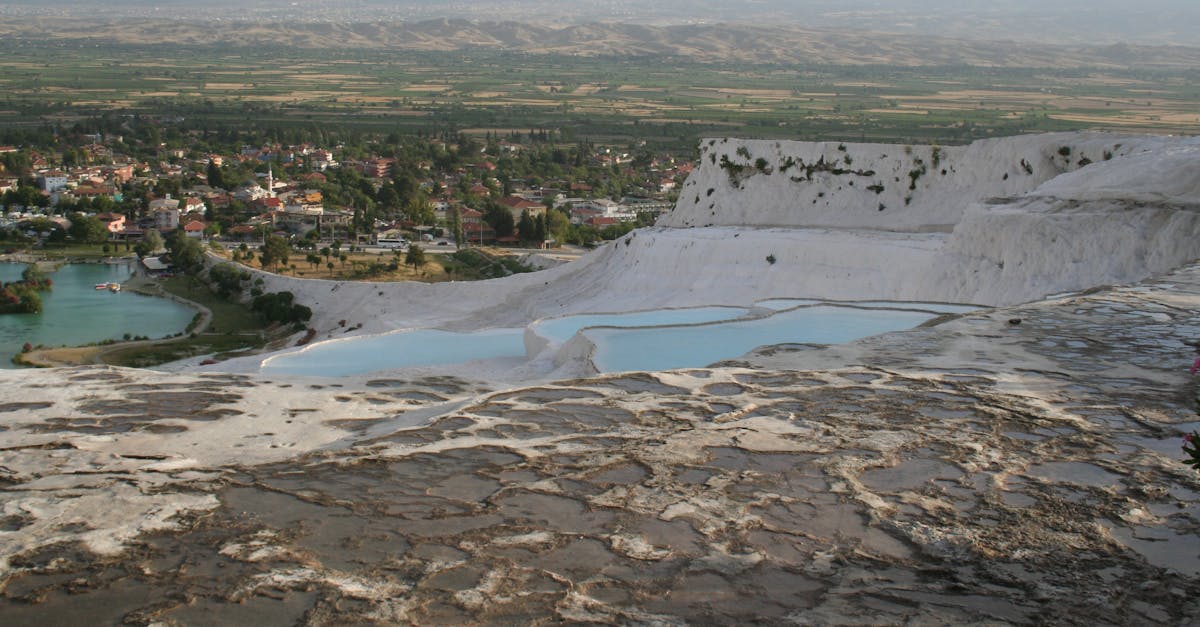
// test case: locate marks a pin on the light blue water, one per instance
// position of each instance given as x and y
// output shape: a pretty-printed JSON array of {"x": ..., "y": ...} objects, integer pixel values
[
  {"x": 562, "y": 329},
  {"x": 621, "y": 350},
  {"x": 74, "y": 313},
  {"x": 624, "y": 341},
  {"x": 402, "y": 349},
  {"x": 788, "y": 303}
]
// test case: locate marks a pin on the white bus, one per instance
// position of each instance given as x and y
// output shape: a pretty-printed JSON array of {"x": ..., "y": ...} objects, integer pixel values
[{"x": 389, "y": 242}]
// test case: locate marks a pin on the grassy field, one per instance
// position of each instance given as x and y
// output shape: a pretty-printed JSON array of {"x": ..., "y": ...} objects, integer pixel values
[
  {"x": 371, "y": 266},
  {"x": 663, "y": 102},
  {"x": 468, "y": 265}
]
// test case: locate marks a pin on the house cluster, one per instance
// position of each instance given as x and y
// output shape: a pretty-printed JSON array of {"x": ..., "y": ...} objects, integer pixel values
[
  {"x": 312, "y": 158},
  {"x": 296, "y": 204},
  {"x": 87, "y": 182}
]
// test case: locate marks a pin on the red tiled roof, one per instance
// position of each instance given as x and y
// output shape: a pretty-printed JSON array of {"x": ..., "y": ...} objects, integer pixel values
[{"x": 516, "y": 202}]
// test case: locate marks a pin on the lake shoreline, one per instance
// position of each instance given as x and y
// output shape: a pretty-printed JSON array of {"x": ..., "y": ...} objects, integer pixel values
[{"x": 94, "y": 352}]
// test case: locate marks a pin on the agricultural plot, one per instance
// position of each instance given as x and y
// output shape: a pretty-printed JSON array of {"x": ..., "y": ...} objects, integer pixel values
[{"x": 665, "y": 102}]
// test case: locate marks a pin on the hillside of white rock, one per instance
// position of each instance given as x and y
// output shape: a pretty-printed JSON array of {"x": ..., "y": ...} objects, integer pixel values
[{"x": 998, "y": 222}]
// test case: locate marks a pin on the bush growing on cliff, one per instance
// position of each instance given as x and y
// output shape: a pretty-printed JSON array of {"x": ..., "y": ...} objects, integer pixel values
[
  {"x": 914, "y": 175},
  {"x": 735, "y": 171},
  {"x": 278, "y": 307},
  {"x": 227, "y": 279}
]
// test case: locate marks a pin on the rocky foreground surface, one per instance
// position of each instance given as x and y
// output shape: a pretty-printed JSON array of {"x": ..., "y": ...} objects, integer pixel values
[{"x": 1015, "y": 465}]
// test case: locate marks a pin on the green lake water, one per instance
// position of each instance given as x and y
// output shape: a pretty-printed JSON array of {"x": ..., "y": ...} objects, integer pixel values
[{"x": 74, "y": 313}]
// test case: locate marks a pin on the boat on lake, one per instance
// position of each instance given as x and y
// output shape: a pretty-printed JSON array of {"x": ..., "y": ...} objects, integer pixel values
[{"x": 112, "y": 287}]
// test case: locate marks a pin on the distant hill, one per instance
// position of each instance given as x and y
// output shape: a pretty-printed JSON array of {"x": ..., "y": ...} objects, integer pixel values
[
  {"x": 784, "y": 44},
  {"x": 1087, "y": 22}
]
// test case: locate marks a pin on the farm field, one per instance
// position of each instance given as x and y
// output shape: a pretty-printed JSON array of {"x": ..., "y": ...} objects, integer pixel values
[{"x": 669, "y": 103}]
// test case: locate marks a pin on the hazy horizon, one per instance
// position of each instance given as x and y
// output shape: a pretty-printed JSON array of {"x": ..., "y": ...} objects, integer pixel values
[{"x": 1048, "y": 21}]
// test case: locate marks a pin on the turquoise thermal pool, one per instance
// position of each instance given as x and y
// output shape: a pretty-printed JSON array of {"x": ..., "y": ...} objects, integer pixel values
[
  {"x": 644, "y": 340},
  {"x": 620, "y": 350},
  {"x": 564, "y": 328},
  {"x": 779, "y": 304},
  {"x": 403, "y": 349}
]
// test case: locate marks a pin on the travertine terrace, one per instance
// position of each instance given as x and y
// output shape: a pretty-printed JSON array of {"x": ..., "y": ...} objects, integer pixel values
[{"x": 1017, "y": 464}]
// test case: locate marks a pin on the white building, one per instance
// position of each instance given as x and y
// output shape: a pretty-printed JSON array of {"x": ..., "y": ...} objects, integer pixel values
[
  {"x": 166, "y": 219},
  {"x": 53, "y": 181},
  {"x": 583, "y": 209}
]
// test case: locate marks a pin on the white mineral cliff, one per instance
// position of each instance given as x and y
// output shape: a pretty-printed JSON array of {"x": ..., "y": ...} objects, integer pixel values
[{"x": 998, "y": 222}]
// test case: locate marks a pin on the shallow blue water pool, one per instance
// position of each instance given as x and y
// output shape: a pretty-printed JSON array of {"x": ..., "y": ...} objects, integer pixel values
[
  {"x": 645, "y": 340},
  {"x": 562, "y": 329},
  {"x": 402, "y": 349},
  {"x": 620, "y": 350}
]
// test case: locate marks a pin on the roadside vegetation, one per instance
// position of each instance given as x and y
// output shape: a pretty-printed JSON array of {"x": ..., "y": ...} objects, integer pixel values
[{"x": 487, "y": 264}]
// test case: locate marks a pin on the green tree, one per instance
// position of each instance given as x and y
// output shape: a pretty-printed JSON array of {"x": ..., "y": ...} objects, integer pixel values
[
  {"x": 279, "y": 307},
  {"x": 228, "y": 279},
  {"x": 558, "y": 225},
  {"x": 275, "y": 251},
  {"x": 415, "y": 257},
  {"x": 388, "y": 199},
  {"x": 500, "y": 219},
  {"x": 186, "y": 253},
  {"x": 526, "y": 229},
  {"x": 419, "y": 210},
  {"x": 456, "y": 226},
  {"x": 46, "y": 226},
  {"x": 215, "y": 178},
  {"x": 87, "y": 229},
  {"x": 150, "y": 242}
]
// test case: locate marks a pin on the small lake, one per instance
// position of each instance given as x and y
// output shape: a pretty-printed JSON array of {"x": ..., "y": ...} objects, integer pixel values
[{"x": 74, "y": 313}]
